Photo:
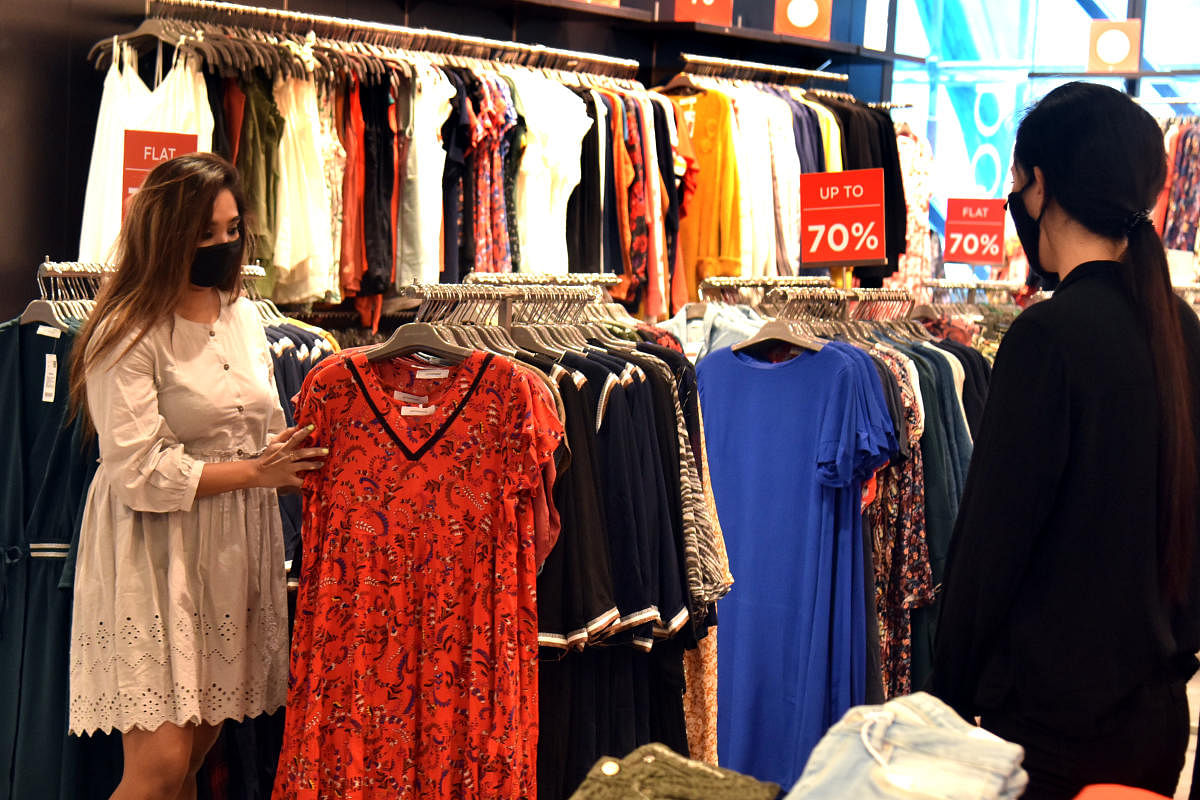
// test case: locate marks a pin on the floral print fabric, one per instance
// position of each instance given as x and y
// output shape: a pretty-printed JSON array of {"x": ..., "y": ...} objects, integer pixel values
[{"x": 414, "y": 655}]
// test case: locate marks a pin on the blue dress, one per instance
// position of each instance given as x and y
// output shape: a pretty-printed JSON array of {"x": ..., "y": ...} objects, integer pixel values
[{"x": 789, "y": 445}]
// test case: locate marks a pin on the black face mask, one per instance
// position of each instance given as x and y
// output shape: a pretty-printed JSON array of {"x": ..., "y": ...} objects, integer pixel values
[
  {"x": 1029, "y": 231},
  {"x": 217, "y": 265}
]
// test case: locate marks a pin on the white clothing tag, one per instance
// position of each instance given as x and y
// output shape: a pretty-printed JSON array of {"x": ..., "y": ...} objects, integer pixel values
[
  {"x": 48, "y": 330},
  {"x": 432, "y": 373},
  {"x": 405, "y": 397},
  {"x": 49, "y": 383},
  {"x": 417, "y": 411}
]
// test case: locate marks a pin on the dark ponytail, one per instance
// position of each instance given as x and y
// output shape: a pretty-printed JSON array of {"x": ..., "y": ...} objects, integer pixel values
[
  {"x": 1149, "y": 281},
  {"x": 1104, "y": 164}
]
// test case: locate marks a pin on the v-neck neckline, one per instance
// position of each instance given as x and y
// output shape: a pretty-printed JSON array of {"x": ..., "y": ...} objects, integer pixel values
[{"x": 387, "y": 413}]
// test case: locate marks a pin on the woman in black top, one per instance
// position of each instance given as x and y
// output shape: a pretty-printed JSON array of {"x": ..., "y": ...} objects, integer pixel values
[{"x": 1069, "y": 609}]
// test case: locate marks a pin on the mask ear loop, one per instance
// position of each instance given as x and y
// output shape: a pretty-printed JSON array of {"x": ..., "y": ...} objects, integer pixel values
[{"x": 885, "y": 717}]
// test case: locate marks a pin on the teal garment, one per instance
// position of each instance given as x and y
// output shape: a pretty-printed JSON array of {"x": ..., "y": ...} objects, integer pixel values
[
  {"x": 44, "y": 474},
  {"x": 258, "y": 166}
]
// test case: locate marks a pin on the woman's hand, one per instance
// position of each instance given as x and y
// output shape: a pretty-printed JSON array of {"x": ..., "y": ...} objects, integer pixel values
[{"x": 281, "y": 464}]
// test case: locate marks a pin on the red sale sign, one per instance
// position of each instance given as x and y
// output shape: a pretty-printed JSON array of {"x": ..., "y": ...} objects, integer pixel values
[
  {"x": 974, "y": 231},
  {"x": 842, "y": 218},
  {"x": 143, "y": 152},
  {"x": 711, "y": 12}
]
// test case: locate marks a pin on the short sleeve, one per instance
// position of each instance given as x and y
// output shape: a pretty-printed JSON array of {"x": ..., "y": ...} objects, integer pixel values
[
  {"x": 146, "y": 462},
  {"x": 534, "y": 436},
  {"x": 846, "y": 441}
]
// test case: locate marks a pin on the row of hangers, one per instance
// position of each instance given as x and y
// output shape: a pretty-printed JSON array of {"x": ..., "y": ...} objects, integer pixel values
[
  {"x": 241, "y": 38},
  {"x": 67, "y": 293},
  {"x": 455, "y": 320},
  {"x": 808, "y": 318}
]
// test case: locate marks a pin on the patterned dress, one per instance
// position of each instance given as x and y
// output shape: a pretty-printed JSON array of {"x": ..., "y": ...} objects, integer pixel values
[{"x": 414, "y": 656}]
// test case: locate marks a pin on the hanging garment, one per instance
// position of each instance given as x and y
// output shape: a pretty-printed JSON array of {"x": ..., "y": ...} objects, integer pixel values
[
  {"x": 710, "y": 230},
  {"x": 379, "y": 154},
  {"x": 333, "y": 170},
  {"x": 556, "y": 122},
  {"x": 801, "y": 550},
  {"x": 123, "y": 102},
  {"x": 179, "y": 104},
  {"x": 303, "y": 239},
  {"x": 152, "y": 640},
  {"x": 436, "y": 697},
  {"x": 45, "y": 470},
  {"x": 420, "y": 248},
  {"x": 916, "y": 163},
  {"x": 258, "y": 168}
]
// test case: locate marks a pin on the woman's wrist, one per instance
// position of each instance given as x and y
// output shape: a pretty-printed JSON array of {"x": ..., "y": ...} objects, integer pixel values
[{"x": 251, "y": 474}]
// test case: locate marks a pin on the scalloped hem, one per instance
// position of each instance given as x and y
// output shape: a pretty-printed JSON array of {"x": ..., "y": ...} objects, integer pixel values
[{"x": 151, "y": 726}]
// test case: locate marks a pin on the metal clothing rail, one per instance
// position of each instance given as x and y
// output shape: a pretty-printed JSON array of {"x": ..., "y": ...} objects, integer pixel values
[
  {"x": 728, "y": 67},
  {"x": 889, "y": 106},
  {"x": 542, "y": 279},
  {"x": 765, "y": 282},
  {"x": 398, "y": 36},
  {"x": 73, "y": 269}
]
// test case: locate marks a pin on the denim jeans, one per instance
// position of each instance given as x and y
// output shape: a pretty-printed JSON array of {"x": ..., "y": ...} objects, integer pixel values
[{"x": 911, "y": 747}]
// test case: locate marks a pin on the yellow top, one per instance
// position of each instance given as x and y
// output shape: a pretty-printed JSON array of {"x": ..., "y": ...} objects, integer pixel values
[{"x": 710, "y": 232}]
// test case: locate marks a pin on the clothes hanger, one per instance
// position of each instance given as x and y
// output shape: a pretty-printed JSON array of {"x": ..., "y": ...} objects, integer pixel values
[
  {"x": 779, "y": 331},
  {"x": 418, "y": 337}
]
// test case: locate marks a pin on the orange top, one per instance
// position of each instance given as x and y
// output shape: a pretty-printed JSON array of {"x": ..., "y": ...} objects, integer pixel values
[{"x": 710, "y": 231}]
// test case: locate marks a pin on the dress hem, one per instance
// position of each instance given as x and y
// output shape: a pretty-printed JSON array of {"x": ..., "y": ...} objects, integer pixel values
[{"x": 191, "y": 719}]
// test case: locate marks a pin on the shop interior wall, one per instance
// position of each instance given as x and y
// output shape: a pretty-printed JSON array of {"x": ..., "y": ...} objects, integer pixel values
[{"x": 50, "y": 94}]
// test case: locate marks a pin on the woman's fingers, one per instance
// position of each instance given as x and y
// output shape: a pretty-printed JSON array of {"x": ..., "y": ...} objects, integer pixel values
[
  {"x": 299, "y": 436},
  {"x": 285, "y": 434}
]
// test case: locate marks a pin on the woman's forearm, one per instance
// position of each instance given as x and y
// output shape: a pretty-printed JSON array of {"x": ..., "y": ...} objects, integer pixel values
[{"x": 227, "y": 476}]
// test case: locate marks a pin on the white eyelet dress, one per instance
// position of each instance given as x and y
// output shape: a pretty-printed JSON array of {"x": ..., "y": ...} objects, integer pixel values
[{"x": 180, "y": 610}]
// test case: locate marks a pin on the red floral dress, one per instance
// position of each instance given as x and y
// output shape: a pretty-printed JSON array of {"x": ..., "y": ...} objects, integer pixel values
[{"x": 414, "y": 655}]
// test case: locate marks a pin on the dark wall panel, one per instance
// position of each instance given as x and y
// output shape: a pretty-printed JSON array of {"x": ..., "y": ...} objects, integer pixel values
[{"x": 50, "y": 94}]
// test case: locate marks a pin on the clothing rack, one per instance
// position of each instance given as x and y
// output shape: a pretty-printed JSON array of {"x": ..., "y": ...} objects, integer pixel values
[
  {"x": 542, "y": 279},
  {"x": 940, "y": 286},
  {"x": 732, "y": 68},
  {"x": 889, "y": 106},
  {"x": 383, "y": 35},
  {"x": 799, "y": 302},
  {"x": 843, "y": 96},
  {"x": 505, "y": 305},
  {"x": 880, "y": 303},
  {"x": 764, "y": 282},
  {"x": 734, "y": 290}
]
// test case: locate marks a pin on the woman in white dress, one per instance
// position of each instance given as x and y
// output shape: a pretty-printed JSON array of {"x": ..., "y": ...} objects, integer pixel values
[{"x": 180, "y": 611}]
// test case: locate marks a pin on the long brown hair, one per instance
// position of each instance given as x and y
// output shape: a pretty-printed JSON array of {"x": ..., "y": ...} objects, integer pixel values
[
  {"x": 158, "y": 240},
  {"x": 1105, "y": 165}
]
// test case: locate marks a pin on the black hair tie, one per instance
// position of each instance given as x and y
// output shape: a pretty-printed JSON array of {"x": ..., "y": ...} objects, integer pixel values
[{"x": 1135, "y": 219}]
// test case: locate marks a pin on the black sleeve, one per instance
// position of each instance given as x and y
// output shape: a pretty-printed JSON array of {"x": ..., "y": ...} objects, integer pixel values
[{"x": 1019, "y": 460}]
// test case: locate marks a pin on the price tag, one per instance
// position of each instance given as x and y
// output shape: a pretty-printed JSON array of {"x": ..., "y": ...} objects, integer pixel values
[
  {"x": 842, "y": 218},
  {"x": 144, "y": 150},
  {"x": 712, "y": 12},
  {"x": 974, "y": 231},
  {"x": 811, "y": 19},
  {"x": 50, "y": 378}
]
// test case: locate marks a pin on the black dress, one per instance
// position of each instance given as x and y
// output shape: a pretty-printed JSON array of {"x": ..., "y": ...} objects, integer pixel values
[{"x": 1053, "y": 626}]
